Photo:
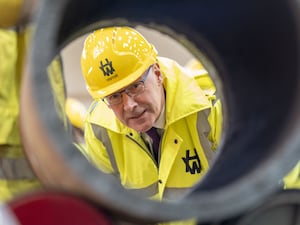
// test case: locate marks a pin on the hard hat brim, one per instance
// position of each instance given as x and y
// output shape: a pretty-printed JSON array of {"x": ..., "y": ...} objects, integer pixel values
[{"x": 99, "y": 94}]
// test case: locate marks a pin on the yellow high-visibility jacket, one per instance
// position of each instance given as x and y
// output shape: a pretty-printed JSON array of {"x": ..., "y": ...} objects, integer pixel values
[
  {"x": 15, "y": 173},
  {"x": 187, "y": 144}
]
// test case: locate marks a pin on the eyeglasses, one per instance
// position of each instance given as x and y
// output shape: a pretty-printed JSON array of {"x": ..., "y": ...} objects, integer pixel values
[{"x": 132, "y": 91}]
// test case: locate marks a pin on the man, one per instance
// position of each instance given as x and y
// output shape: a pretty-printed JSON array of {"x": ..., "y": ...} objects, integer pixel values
[{"x": 136, "y": 92}]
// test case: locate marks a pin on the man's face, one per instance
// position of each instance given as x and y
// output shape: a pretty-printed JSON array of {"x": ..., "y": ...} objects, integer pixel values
[{"x": 140, "y": 112}]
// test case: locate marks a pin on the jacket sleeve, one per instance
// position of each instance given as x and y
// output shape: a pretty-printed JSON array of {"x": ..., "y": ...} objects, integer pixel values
[{"x": 95, "y": 151}]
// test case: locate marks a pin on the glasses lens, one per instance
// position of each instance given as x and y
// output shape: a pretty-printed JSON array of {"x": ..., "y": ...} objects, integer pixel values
[
  {"x": 113, "y": 99},
  {"x": 135, "y": 89}
]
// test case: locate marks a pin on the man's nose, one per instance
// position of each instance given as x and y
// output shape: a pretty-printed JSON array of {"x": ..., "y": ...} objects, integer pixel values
[{"x": 128, "y": 102}]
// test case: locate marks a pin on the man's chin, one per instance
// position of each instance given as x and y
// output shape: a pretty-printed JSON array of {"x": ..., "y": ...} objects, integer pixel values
[
  {"x": 141, "y": 124},
  {"x": 141, "y": 127}
]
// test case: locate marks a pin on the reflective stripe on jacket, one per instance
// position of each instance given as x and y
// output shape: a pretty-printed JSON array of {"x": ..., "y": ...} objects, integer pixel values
[{"x": 119, "y": 150}]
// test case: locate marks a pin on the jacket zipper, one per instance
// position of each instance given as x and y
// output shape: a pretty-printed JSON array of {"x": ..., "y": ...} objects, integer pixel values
[{"x": 148, "y": 151}]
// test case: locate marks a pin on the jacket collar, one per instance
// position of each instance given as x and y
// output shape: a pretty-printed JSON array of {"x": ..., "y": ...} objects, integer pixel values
[{"x": 183, "y": 95}]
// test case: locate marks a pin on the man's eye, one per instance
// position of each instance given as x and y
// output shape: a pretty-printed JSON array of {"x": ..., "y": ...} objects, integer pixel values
[
  {"x": 135, "y": 86},
  {"x": 114, "y": 96}
]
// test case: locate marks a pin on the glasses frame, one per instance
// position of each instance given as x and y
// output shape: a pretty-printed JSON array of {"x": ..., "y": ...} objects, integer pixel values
[{"x": 126, "y": 90}]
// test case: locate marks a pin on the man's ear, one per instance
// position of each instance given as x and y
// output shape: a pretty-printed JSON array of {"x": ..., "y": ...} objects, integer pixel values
[
  {"x": 157, "y": 72},
  {"x": 156, "y": 69}
]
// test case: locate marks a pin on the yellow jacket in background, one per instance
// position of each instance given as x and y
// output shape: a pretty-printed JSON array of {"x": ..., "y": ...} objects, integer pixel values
[
  {"x": 292, "y": 179},
  {"x": 16, "y": 175}
]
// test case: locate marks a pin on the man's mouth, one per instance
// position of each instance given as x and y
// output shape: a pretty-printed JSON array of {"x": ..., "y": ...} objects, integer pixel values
[{"x": 136, "y": 116}]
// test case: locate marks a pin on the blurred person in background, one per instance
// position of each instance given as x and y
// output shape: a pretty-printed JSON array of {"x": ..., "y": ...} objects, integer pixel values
[{"x": 16, "y": 175}]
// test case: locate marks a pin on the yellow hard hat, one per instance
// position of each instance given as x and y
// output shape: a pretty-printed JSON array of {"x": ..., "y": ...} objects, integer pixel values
[
  {"x": 76, "y": 112},
  {"x": 114, "y": 57}
]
